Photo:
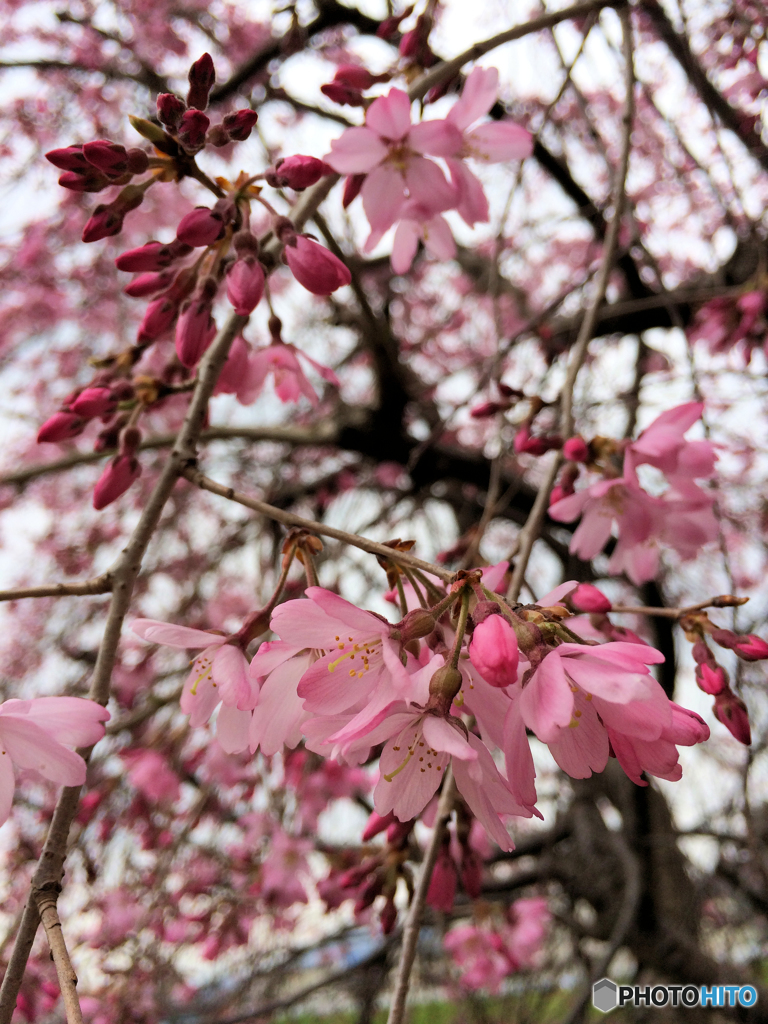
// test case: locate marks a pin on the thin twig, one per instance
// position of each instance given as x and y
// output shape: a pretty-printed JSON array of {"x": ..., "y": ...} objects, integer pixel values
[
  {"x": 291, "y": 519},
  {"x": 49, "y": 915},
  {"x": 532, "y": 528},
  {"x": 413, "y": 922},
  {"x": 98, "y": 585}
]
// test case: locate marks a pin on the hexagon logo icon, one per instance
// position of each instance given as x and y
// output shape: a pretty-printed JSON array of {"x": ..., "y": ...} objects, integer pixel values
[{"x": 604, "y": 995}]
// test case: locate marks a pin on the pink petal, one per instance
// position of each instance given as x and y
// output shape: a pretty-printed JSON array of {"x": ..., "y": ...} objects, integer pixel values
[
  {"x": 583, "y": 749},
  {"x": 441, "y": 735},
  {"x": 438, "y": 239},
  {"x": 404, "y": 246},
  {"x": 390, "y": 115},
  {"x": 173, "y": 636},
  {"x": 496, "y": 143},
  {"x": 408, "y": 792},
  {"x": 357, "y": 151},
  {"x": 29, "y": 746},
  {"x": 427, "y": 185},
  {"x": 230, "y": 674},
  {"x": 383, "y": 195},
  {"x": 71, "y": 720},
  {"x": 556, "y": 595},
  {"x": 493, "y": 575},
  {"x": 518, "y": 759},
  {"x": 232, "y": 726},
  {"x": 477, "y": 97},
  {"x": 472, "y": 202},
  {"x": 547, "y": 700},
  {"x": 271, "y": 654},
  {"x": 435, "y": 138},
  {"x": 7, "y": 786},
  {"x": 350, "y": 615},
  {"x": 303, "y": 624},
  {"x": 280, "y": 712}
]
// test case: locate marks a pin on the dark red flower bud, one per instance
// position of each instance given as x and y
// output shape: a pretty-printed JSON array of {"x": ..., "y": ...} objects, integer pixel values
[
  {"x": 59, "y": 427},
  {"x": 314, "y": 267},
  {"x": 352, "y": 185},
  {"x": 732, "y": 712},
  {"x": 152, "y": 256},
  {"x": 89, "y": 181},
  {"x": 105, "y": 221},
  {"x": 109, "y": 157},
  {"x": 201, "y": 78},
  {"x": 70, "y": 158},
  {"x": 138, "y": 161},
  {"x": 389, "y": 26},
  {"x": 342, "y": 94},
  {"x": 200, "y": 226},
  {"x": 245, "y": 285},
  {"x": 170, "y": 109},
  {"x": 195, "y": 331},
  {"x": 217, "y": 136},
  {"x": 239, "y": 124},
  {"x": 388, "y": 917},
  {"x": 94, "y": 402},
  {"x": 486, "y": 409},
  {"x": 158, "y": 318},
  {"x": 354, "y": 76},
  {"x": 192, "y": 129},
  {"x": 471, "y": 873}
]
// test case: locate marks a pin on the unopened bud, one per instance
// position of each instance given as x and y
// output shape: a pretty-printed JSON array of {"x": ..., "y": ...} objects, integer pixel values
[
  {"x": 94, "y": 402},
  {"x": 732, "y": 712},
  {"x": 239, "y": 124},
  {"x": 109, "y": 157},
  {"x": 416, "y": 624},
  {"x": 445, "y": 684},
  {"x": 59, "y": 427},
  {"x": 170, "y": 109},
  {"x": 218, "y": 136},
  {"x": 201, "y": 78},
  {"x": 69, "y": 158},
  {"x": 192, "y": 130},
  {"x": 352, "y": 185},
  {"x": 586, "y": 598}
]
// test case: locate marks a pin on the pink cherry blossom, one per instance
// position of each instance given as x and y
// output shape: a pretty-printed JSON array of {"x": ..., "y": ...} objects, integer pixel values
[
  {"x": 663, "y": 445},
  {"x": 392, "y": 154},
  {"x": 219, "y": 676},
  {"x": 282, "y": 360},
  {"x": 37, "y": 734},
  {"x": 420, "y": 223},
  {"x": 494, "y": 651}
]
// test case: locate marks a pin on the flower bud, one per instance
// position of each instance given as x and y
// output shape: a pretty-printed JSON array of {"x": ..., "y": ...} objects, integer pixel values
[
  {"x": 388, "y": 917},
  {"x": 354, "y": 76},
  {"x": 442, "y": 885},
  {"x": 94, "y": 402},
  {"x": 148, "y": 284},
  {"x": 416, "y": 624},
  {"x": 471, "y": 872},
  {"x": 732, "y": 712},
  {"x": 152, "y": 256},
  {"x": 158, "y": 318},
  {"x": 87, "y": 181},
  {"x": 201, "y": 78},
  {"x": 376, "y": 824},
  {"x": 201, "y": 226},
  {"x": 239, "y": 124},
  {"x": 389, "y": 26},
  {"x": 352, "y": 185},
  {"x": 342, "y": 94},
  {"x": 297, "y": 172},
  {"x": 315, "y": 268},
  {"x": 195, "y": 331},
  {"x": 586, "y": 598},
  {"x": 576, "y": 449},
  {"x": 494, "y": 651},
  {"x": 217, "y": 136},
  {"x": 192, "y": 130},
  {"x": 69, "y": 158},
  {"x": 486, "y": 409},
  {"x": 120, "y": 473},
  {"x": 59, "y": 427},
  {"x": 711, "y": 679},
  {"x": 105, "y": 221},
  {"x": 725, "y": 638},
  {"x": 445, "y": 684},
  {"x": 170, "y": 109},
  {"x": 751, "y": 648},
  {"x": 138, "y": 161},
  {"x": 108, "y": 157},
  {"x": 245, "y": 285}
]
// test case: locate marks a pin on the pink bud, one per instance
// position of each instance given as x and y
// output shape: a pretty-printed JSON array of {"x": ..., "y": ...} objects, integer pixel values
[
  {"x": 471, "y": 873},
  {"x": 105, "y": 221},
  {"x": 442, "y": 885},
  {"x": 486, "y": 409},
  {"x": 245, "y": 285},
  {"x": 158, "y": 318},
  {"x": 201, "y": 78},
  {"x": 235, "y": 369},
  {"x": 120, "y": 473},
  {"x": 298, "y": 172},
  {"x": 59, "y": 427},
  {"x": 109, "y": 157},
  {"x": 352, "y": 185},
  {"x": 315, "y": 268},
  {"x": 726, "y": 638},
  {"x": 170, "y": 109},
  {"x": 688, "y": 728},
  {"x": 711, "y": 680},
  {"x": 200, "y": 226},
  {"x": 152, "y": 256},
  {"x": 94, "y": 402},
  {"x": 388, "y": 917},
  {"x": 376, "y": 824},
  {"x": 239, "y": 124},
  {"x": 148, "y": 284},
  {"x": 494, "y": 651},
  {"x": 576, "y": 449},
  {"x": 732, "y": 712},
  {"x": 586, "y": 598},
  {"x": 192, "y": 128},
  {"x": 70, "y": 158},
  {"x": 389, "y": 26},
  {"x": 751, "y": 648},
  {"x": 354, "y": 76},
  {"x": 194, "y": 332},
  {"x": 338, "y": 92},
  {"x": 88, "y": 181}
]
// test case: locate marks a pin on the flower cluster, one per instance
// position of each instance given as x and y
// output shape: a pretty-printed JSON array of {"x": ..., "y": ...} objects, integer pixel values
[
  {"x": 681, "y": 518},
  {"x": 456, "y": 682}
]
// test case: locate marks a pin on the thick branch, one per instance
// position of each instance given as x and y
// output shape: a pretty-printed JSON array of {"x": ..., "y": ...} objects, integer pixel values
[{"x": 98, "y": 585}]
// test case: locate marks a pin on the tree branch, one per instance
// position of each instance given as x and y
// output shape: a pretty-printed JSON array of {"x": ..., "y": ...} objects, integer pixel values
[{"x": 49, "y": 915}]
